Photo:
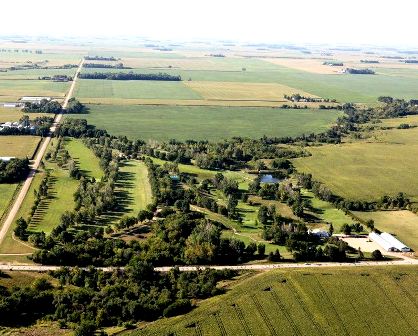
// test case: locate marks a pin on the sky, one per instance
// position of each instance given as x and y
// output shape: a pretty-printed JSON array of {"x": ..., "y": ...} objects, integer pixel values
[{"x": 376, "y": 22}]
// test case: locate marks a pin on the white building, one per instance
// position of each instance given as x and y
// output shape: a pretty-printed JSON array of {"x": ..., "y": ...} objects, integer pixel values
[
  {"x": 6, "y": 158},
  {"x": 398, "y": 244},
  {"x": 379, "y": 240},
  {"x": 33, "y": 100},
  {"x": 320, "y": 233}
]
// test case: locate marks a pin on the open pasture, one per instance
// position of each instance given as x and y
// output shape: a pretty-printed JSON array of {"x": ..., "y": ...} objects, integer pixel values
[
  {"x": 87, "y": 162},
  {"x": 404, "y": 224},
  {"x": 383, "y": 164},
  {"x": 306, "y": 302},
  {"x": 14, "y": 114},
  {"x": 6, "y": 192},
  {"x": 19, "y": 146},
  {"x": 207, "y": 122}
]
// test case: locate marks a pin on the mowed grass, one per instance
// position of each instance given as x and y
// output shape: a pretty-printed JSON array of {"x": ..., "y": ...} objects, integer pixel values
[
  {"x": 60, "y": 199},
  {"x": 133, "y": 190},
  {"x": 92, "y": 88},
  {"x": 87, "y": 162},
  {"x": 6, "y": 192},
  {"x": 327, "y": 301},
  {"x": 20, "y": 146},
  {"x": 367, "y": 170},
  {"x": 404, "y": 224},
  {"x": 207, "y": 122}
]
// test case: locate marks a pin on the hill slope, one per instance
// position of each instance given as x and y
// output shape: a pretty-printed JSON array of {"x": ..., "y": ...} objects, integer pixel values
[{"x": 381, "y": 301}]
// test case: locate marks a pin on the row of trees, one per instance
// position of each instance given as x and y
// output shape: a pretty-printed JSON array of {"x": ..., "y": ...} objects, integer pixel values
[
  {"x": 14, "y": 170},
  {"x": 129, "y": 76}
]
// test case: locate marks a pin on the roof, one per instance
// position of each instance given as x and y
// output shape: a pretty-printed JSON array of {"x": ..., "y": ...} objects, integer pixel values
[
  {"x": 6, "y": 158},
  {"x": 377, "y": 238},
  {"x": 34, "y": 98},
  {"x": 394, "y": 241}
]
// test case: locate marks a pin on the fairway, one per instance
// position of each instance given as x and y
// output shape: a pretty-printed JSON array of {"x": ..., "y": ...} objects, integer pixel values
[
  {"x": 19, "y": 146},
  {"x": 207, "y": 122},
  {"x": 87, "y": 162},
  {"x": 306, "y": 302},
  {"x": 133, "y": 191},
  {"x": 367, "y": 170},
  {"x": 404, "y": 224}
]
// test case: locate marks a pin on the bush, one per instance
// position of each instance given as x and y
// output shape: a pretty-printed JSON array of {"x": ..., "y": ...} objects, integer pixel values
[
  {"x": 377, "y": 255},
  {"x": 179, "y": 307}
]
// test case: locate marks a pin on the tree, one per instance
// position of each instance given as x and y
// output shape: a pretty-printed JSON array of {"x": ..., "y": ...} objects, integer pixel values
[
  {"x": 331, "y": 229},
  {"x": 370, "y": 224},
  {"x": 261, "y": 249},
  {"x": 377, "y": 255},
  {"x": 346, "y": 229},
  {"x": 21, "y": 227},
  {"x": 86, "y": 328}
]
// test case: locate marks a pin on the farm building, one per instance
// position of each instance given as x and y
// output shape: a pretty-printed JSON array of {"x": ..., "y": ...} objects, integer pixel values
[
  {"x": 388, "y": 242},
  {"x": 33, "y": 100},
  {"x": 11, "y": 105},
  {"x": 398, "y": 244},
  {"x": 6, "y": 158},
  {"x": 320, "y": 233}
]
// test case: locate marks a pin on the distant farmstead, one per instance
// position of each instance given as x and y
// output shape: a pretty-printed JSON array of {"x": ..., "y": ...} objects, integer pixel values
[{"x": 34, "y": 100}]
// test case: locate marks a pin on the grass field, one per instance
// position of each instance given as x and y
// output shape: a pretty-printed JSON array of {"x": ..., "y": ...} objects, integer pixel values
[
  {"x": 87, "y": 162},
  {"x": 382, "y": 164},
  {"x": 19, "y": 146},
  {"x": 307, "y": 302},
  {"x": 327, "y": 212},
  {"x": 403, "y": 223},
  {"x": 6, "y": 192},
  {"x": 207, "y": 122},
  {"x": 14, "y": 114},
  {"x": 133, "y": 191},
  {"x": 60, "y": 199}
]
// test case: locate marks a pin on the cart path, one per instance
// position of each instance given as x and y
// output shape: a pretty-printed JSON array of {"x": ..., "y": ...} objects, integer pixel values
[{"x": 39, "y": 155}]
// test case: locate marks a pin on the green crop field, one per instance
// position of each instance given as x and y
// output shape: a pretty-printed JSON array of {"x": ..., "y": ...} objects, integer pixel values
[
  {"x": 12, "y": 90},
  {"x": 87, "y": 162},
  {"x": 19, "y": 146},
  {"x": 366, "y": 170},
  {"x": 14, "y": 114},
  {"x": 402, "y": 223},
  {"x": 93, "y": 88},
  {"x": 307, "y": 302},
  {"x": 207, "y": 122}
]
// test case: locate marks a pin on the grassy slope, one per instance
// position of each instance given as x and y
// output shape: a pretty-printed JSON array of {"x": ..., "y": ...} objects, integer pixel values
[
  {"x": 20, "y": 146},
  {"x": 403, "y": 223},
  {"x": 307, "y": 302},
  {"x": 88, "y": 163},
  {"x": 367, "y": 169},
  {"x": 207, "y": 122}
]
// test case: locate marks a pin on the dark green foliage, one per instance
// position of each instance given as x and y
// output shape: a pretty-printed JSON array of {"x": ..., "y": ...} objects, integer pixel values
[{"x": 14, "y": 170}]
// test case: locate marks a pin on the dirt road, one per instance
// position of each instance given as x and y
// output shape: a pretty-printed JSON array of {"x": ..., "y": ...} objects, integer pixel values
[{"x": 39, "y": 155}]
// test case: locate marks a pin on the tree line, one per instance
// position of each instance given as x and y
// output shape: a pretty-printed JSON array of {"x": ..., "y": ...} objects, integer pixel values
[{"x": 129, "y": 76}]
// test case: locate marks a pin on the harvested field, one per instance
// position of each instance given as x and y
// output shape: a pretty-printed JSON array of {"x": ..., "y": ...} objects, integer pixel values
[{"x": 19, "y": 146}]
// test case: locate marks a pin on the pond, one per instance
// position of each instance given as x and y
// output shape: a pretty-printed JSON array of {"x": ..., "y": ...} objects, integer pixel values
[{"x": 268, "y": 178}]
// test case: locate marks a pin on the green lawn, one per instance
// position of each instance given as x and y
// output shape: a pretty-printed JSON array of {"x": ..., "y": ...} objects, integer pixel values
[
  {"x": 87, "y": 162},
  {"x": 327, "y": 212},
  {"x": 60, "y": 199},
  {"x": 133, "y": 190},
  {"x": 93, "y": 88},
  {"x": 327, "y": 301},
  {"x": 403, "y": 223},
  {"x": 6, "y": 192},
  {"x": 207, "y": 122}
]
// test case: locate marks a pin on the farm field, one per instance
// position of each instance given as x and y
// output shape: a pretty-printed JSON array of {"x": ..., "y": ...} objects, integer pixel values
[
  {"x": 208, "y": 122},
  {"x": 87, "y": 162},
  {"x": 12, "y": 90},
  {"x": 363, "y": 170},
  {"x": 404, "y": 224},
  {"x": 306, "y": 302},
  {"x": 19, "y": 146},
  {"x": 14, "y": 114}
]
